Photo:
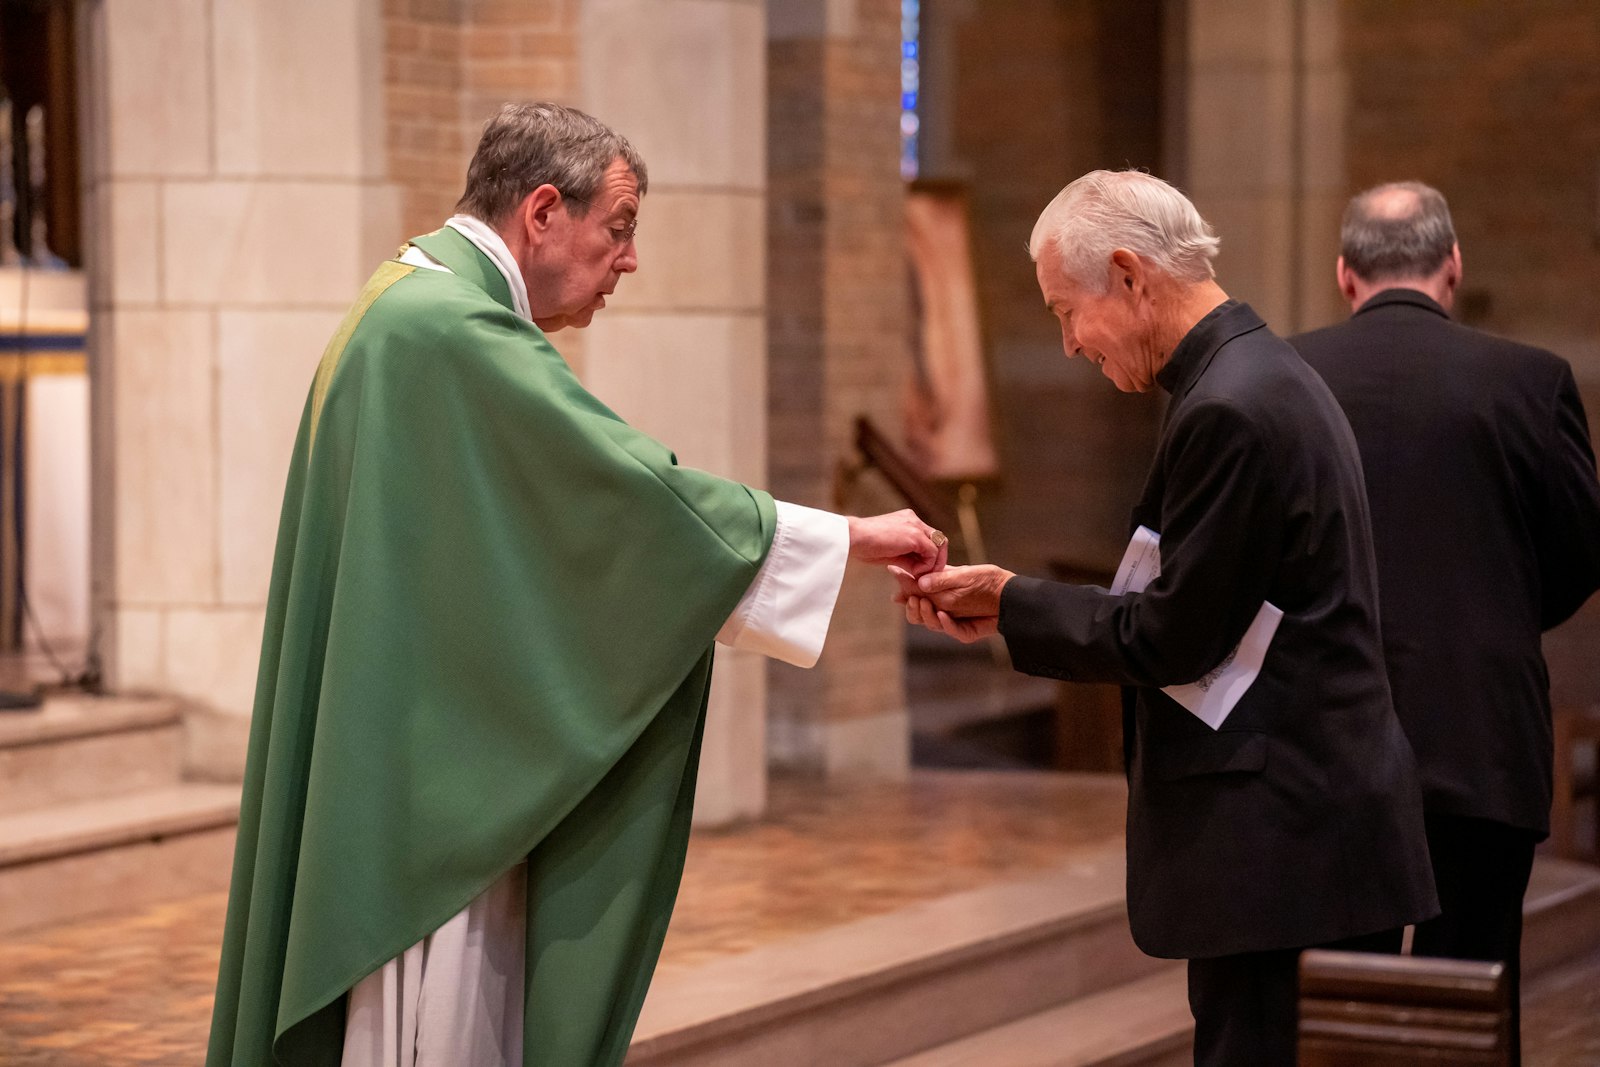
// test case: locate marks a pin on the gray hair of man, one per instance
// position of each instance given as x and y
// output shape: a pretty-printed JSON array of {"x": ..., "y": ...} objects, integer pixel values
[
  {"x": 1396, "y": 231},
  {"x": 525, "y": 146},
  {"x": 1110, "y": 209}
]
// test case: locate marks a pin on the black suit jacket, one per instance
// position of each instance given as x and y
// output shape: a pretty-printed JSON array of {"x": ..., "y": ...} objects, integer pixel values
[
  {"x": 1486, "y": 517},
  {"x": 1300, "y": 820}
]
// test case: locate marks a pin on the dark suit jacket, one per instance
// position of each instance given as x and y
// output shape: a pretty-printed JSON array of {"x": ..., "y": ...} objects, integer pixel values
[
  {"x": 1300, "y": 820},
  {"x": 1486, "y": 517}
]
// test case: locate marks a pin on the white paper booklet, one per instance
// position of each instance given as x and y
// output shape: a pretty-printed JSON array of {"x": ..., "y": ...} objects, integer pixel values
[{"x": 1214, "y": 696}]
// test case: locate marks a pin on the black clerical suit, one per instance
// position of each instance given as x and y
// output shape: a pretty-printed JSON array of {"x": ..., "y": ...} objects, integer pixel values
[
  {"x": 1299, "y": 821},
  {"x": 1486, "y": 520}
]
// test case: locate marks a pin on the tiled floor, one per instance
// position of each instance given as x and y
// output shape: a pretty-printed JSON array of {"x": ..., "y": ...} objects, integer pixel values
[
  {"x": 1561, "y": 1017},
  {"x": 136, "y": 988}
]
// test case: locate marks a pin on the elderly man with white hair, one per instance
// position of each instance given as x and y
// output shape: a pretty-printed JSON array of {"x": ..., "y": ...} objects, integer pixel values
[{"x": 1289, "y": 815}]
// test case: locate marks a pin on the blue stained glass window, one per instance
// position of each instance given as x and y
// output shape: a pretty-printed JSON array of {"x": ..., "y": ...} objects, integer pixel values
[{"x": 910, "y": 75}]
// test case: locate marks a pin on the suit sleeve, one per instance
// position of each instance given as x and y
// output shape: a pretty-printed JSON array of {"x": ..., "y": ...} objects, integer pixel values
[
  {"x": 1219, "y": 546},
  {"x": 1569, "y": 535}
]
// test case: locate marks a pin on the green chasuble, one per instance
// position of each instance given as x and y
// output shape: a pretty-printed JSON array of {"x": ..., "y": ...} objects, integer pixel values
[{"x": 488, "y": 639}]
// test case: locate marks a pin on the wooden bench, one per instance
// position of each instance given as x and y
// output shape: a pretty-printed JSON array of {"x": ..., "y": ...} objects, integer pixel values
[{"x": 1363, "y": 1010}]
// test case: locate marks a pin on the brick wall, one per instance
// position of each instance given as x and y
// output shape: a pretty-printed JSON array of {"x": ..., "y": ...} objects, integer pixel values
[
  {"x": 422, "y": 89},
  {"x": 516, "y": 50},
  {"x": 1029, "y": 117},
  {"x": 448, "y": 65},
  {"x": 837, "y": 322},
  {"x": 1498, "y": 105}
]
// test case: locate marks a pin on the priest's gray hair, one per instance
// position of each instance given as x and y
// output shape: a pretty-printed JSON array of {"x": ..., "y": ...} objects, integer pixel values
[
  {"x": 1396, "y": 231},
  {"x": 1110, "y": 209},
  {"x": 525, "y": 146}
]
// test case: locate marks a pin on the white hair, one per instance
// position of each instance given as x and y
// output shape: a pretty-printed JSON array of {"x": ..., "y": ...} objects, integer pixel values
[{"x": 1106, "y": 210}]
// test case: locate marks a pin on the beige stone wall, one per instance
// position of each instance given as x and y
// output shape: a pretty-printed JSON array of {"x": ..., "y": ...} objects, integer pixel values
[
  {"x": 236, "y": 217},
  {"x": 680, "y": 352},
  {"x": 236, "y": 195},
  {"x": 837, "y": 320},
  {"x": 1263, "y": 124}
]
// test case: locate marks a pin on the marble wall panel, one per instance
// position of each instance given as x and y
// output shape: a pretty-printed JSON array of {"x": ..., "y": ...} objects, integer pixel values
[
  {"x": 160, "y": 363},
  {"x": 127, "y": 233},
  {"x": 254, "y": 243},
  {"x": 695, "y": 382},
  {"x": 1241, "y": 131},
  {"x": 693, "y": 99},
  {"x": 1326, "y": 93},
  {"x": 1257, "y": 248},
  {"x": 1231, "y": 32},
  {"x": 157, "y": 85},
  {"x": 734, "y": 785},
  {"x": 266, "y": 360},
  {"x": 296, "y": 98},
  {"x": 138, "y": 644},
  {"x": 211, "y": 655},
  {"x": 1321, "y": 303},
  {"x": 698, "y": 250}
]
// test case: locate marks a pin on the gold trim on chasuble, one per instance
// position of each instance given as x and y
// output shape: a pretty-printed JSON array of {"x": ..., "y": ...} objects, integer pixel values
[{"x": 386, "y": 275}]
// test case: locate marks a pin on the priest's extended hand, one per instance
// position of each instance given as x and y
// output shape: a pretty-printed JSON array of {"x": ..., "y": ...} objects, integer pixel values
[
  {"x": 898, "y": 538},
  {"x": 963, "y": 602}
]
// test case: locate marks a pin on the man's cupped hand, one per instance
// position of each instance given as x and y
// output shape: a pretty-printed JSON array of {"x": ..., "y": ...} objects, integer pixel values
[{"x": 963, "y": 602}]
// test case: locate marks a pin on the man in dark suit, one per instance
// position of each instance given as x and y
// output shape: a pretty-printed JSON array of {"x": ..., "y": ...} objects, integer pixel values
[
  {"x": 1486, "y": 520},
  {"x": 1298, "y": 822}
]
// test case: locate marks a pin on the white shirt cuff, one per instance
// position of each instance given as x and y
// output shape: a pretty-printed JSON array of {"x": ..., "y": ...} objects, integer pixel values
[{"x": 785, "y": 612}]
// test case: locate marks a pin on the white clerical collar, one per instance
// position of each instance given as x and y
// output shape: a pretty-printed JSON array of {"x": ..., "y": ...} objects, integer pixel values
[{"x": 490, "y": 244}]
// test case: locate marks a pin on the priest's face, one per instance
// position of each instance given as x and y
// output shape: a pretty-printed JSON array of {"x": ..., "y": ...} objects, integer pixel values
[
  {"x": 1115, "y": 330},
  {"x": 581, "y": 257}
]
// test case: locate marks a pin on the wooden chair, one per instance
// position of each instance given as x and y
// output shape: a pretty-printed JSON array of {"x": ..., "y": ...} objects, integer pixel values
[
  {"x": 1574, "y": 728},
  {"x": 1363, "y": 1010}
]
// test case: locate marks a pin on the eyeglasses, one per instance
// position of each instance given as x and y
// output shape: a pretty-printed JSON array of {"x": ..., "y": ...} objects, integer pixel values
[{"x": 622, "y": 232}]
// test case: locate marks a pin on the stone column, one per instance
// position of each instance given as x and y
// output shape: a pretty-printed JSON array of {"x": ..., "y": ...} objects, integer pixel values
[
  {"x": 235, "y": 180},
  {"x": 681, "y": 353},
  {"x": 838, "y": 319},
  {"x": 1265, "y": 149}
]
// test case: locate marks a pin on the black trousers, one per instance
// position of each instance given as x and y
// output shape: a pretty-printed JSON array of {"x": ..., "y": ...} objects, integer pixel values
[
  {"x": 1246, "y": 1007},
  {"x": 1481, "y": 869}
]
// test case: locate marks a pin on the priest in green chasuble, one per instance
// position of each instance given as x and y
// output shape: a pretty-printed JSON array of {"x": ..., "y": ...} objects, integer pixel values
[{"x": 487, "y": 651}]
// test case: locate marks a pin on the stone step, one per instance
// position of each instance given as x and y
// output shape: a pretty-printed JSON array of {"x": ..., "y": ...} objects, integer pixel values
[
  {"x": 1145, "y": 1023},
  {"x": 1560, "y": 914},
  {"x": 74, "y": 860},
  {"x": 81, "y": 748},
  {"x": 874, "y": 990}
]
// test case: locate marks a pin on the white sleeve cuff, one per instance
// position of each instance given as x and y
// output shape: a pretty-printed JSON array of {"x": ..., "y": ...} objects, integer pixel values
[{"x": 785, "y": 612}]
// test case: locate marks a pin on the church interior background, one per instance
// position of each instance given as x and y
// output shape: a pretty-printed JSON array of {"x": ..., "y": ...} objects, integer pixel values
[{"x": 909, "y": 854}]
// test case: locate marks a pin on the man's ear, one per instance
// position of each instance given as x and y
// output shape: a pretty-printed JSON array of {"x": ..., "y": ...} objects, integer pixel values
[
  {"x": 537, "y": 211},
  {"x": 1452, "y": 267},
  {"x": 1127, "y": 272},
  {"x": 1346, "y": 279}
]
